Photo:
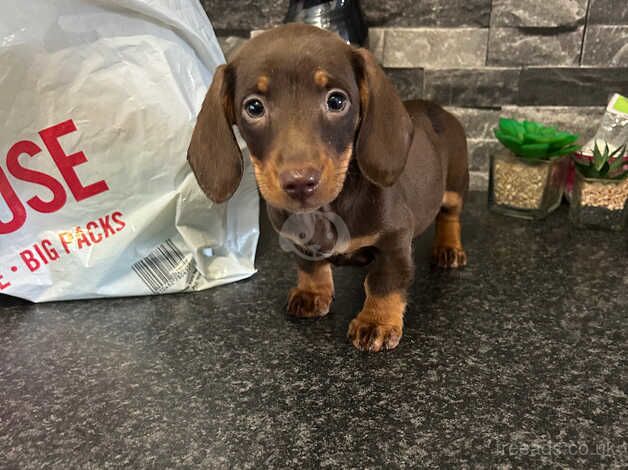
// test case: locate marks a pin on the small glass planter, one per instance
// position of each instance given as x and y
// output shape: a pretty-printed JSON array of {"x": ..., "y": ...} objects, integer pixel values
[
  {"x": 526, "y": 190},
  {"x": 599, "y": 203}
]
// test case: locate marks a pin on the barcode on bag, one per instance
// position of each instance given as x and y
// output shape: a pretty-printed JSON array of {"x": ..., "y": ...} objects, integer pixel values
[{"x": 163, "y": 267}]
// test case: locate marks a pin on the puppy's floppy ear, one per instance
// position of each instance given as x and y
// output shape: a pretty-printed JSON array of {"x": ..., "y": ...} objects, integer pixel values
[
  {"x": 386, "y": 130},
  {"x": 214, "y": 154}
]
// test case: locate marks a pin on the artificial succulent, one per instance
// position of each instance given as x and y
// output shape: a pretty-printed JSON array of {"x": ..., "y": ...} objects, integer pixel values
[
  {"x": 604, "y": 164},
  {"x": 533, "y": 141}
]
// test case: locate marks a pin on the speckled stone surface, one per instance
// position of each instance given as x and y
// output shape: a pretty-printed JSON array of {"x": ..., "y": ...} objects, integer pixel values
[
  {"x": 520, "y": 360},
  {"x": 533, "y": 46},
  {"x": 606, "y": 46},
  {"x": 538, "y": 13},
  {"x": 429, "y": 47}
]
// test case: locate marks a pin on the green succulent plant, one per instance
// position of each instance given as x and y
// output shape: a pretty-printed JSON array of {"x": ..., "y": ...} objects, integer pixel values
[
  {"x": 604, "y": 165},
  {"x": 533, "y": 141}
]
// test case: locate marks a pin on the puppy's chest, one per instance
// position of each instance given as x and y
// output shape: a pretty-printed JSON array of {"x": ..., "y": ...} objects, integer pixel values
[{"x": 324, "y": 234}]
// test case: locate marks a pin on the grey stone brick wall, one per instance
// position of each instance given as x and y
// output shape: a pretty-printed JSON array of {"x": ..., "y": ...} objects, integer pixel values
[{"x": 554, "y": 61}]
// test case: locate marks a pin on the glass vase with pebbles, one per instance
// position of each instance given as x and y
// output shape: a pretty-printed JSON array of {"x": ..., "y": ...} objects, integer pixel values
[
  {"x": 528, "y": 190},
  {"x": 600, "y": 193},
  {"x": 527, "y": 178}
]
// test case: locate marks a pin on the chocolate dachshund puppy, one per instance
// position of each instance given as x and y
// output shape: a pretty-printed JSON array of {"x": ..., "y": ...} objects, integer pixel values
[{"x": 329, "y": 136}]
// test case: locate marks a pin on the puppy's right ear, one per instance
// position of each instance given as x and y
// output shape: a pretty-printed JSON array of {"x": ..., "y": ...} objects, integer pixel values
[{"x": 214, "y": 154}]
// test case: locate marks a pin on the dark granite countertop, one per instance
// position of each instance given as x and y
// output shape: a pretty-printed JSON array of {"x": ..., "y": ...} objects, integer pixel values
[{"x": 520, "y": 359}]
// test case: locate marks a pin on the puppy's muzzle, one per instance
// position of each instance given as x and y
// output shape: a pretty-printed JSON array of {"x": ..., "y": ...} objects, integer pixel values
[{"x": 300, "y": 184}]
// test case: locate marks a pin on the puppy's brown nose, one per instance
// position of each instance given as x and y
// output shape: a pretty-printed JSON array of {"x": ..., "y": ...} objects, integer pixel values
[{"x": 300, "y": 184}]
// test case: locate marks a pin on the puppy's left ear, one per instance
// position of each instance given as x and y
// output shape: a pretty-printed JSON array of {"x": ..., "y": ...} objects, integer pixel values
[{"x": 386, "y": 130}]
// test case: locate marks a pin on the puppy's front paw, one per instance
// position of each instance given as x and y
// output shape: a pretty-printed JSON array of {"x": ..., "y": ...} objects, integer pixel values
[
  {"x": 368, "y": 335},
  {"x": 308, "y": 304},
  {"x": 448, "y": 257}
]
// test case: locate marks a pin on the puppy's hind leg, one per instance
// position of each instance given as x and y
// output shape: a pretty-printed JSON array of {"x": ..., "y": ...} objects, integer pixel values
[{"x": 447, "y": 251}]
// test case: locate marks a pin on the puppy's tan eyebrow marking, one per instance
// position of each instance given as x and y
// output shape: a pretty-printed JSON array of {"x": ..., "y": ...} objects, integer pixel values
[
  {"x": 262, "y": 83},
  {"x": 321, "y": 78}
]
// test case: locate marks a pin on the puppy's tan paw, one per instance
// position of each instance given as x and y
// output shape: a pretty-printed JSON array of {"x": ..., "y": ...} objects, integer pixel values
[
  {"x": 308, "y": 304},
  {"x": 368, "y": 335},
  {"x": 448, "y": 257}
]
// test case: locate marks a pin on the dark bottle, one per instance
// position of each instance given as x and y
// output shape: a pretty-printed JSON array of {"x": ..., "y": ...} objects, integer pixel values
[{"x": 340, "y": 16}]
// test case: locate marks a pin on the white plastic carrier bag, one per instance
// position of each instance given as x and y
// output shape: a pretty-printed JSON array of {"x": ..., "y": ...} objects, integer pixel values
[{"x": 98, "y": 100}]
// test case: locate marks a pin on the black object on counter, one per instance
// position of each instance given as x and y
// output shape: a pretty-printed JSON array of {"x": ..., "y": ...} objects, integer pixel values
[{"x": 340, "y": 16}]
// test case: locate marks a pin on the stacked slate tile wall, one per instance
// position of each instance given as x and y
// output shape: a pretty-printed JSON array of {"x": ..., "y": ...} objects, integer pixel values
[{"x": 555, "y": 61}]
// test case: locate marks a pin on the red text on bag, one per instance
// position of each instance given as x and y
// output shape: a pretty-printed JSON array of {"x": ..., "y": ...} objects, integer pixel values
[{"x": 64, "y": 162}]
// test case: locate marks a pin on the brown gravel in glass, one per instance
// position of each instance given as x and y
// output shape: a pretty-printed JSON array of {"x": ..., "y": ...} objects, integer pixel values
[
  {"x": 604, "y": 194},
  {"x": 519, "y": 184}
]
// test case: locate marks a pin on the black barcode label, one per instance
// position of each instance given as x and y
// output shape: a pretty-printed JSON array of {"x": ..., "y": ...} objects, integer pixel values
[{"x": 163, "y": 267}]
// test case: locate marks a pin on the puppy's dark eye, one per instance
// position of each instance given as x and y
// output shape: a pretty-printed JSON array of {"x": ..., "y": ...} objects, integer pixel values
[
  {"x": 254, "y": 108},
  {"x": 337, "y": 101}
]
